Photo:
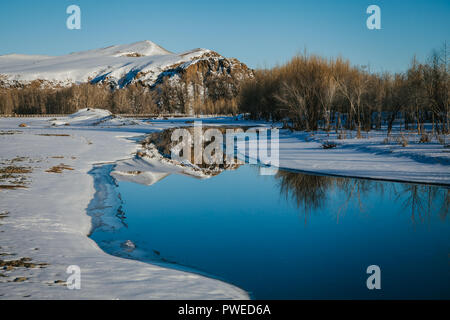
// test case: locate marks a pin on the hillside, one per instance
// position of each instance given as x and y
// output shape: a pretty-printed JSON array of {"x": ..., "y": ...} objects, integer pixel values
[
  {"x": 144, "y": 62},
  {"x": 155, "y": 80}
]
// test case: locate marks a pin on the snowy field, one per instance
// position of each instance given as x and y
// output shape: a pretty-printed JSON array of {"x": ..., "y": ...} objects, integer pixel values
[
  {"x": 370, "y": 157},
  {"x": 45, "y": 220}
]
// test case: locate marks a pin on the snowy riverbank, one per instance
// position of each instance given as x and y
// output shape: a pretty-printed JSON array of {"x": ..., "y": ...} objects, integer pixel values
[
  {"x": 47, "y": 221},
  {"x": 370, "y": 157}
]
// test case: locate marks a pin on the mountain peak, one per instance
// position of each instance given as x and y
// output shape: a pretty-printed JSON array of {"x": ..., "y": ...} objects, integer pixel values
[{"x": 140, "y": 48}]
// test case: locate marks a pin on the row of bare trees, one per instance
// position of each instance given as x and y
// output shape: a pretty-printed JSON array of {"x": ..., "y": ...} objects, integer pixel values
[
  {"x": 33, "y": 99},
  {"x": 190, "y": 94},
  {"x": 311, "y": 92}
]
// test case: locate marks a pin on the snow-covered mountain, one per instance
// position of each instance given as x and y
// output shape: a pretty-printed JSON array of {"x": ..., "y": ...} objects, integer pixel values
[{"x": 144, "y": 62}]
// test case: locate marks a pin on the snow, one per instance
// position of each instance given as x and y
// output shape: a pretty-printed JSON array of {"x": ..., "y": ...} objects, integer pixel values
[
  {"x": 370, "y": 157},
  {"x": 119, "y": 64},
  {"x": 51, "y": 219},
  {"x": 24, "y": 57},
  {"x": 148, "y": 171},
  {"x": 93, "y": 117}
]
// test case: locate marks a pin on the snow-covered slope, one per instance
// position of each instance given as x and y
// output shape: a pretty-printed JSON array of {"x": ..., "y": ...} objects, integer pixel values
[
  {"x": 93, "y": 117},
  {"x": 118, "y": 65}
]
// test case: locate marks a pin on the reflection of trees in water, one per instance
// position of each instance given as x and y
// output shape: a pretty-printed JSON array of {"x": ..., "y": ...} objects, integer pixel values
[
  {"x": 423, "y": 200},
  {"x": 308, "y": 191},
  {"x": 445, "y": 205},
  {"x": 311, "y": 192},
  {"x": 355, "y": 190}
]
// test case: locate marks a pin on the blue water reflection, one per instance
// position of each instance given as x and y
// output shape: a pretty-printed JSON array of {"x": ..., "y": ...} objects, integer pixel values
[{"x": 293, "y": 235}]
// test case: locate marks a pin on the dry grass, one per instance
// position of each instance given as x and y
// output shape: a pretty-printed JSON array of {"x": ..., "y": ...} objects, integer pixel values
[
  {"x": 402, "y": 140},
  {"x": 18, "y": 159},
  {"x": 59, "y": 168},
  {"x": 11, "y": 187},
  {"x": 12, "y": 176},
  {"x": 21, "y": 263},
  {"x": 133, "y": 55},
  {"x": 137, "y": 172},
  {"x": 9, "y": 132},
  {"x": 20, "y": 279},
  {"x": 441, "y": 139},
  {"x": 424, "y": 138},
  {"x": 14, "y": 170},
  {"x": 53, "y": 135},
  {"x": 329, "y": 145}
]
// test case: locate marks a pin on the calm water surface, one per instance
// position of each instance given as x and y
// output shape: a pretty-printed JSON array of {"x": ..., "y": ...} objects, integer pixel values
[{"x": 293, "y": 235}]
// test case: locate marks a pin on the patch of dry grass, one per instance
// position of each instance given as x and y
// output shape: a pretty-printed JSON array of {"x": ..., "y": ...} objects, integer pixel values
[
  {"x": 329, "y": 145},
  {"x": 20, "y": 263},
  {"x": 13, "y": 177},
  {"x": 12, "y": 173},
  {"x": 20, "y": 279},
  {"x": 59, "y": 168},
  {"x": 18, "y": 159},
  {"x": 424, "y": 138},
  {"x": 11, "y": 187},
  {"x": 15, "y": 170},
  {"x": 53, "y": 135},
  {"x": 9, "y": 132},
  {"x": 4, "y": 214}
]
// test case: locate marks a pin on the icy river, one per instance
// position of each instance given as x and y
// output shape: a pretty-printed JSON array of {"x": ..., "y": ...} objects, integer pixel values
[{"x": 292, "y": 235}]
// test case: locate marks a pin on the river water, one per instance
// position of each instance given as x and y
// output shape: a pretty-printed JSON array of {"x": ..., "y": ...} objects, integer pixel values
[{"x": 292, "y": 235}]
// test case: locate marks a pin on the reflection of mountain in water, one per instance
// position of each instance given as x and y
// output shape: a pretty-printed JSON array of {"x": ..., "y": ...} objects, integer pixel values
[
  {"x": 310, "y": 192},
  {"x": 153, "y": 162},
  {"x": 163, "y": 142}
]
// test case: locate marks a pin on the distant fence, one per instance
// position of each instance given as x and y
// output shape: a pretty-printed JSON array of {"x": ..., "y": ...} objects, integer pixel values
[
  {"x": 32, "y": 115},
  {"x": 171, "y": 115},
  {"x": 119, "y": 115}
]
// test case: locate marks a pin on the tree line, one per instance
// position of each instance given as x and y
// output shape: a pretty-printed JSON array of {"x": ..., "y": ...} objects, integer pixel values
[
  {"x": 310, "y": 92},
  {"x": 33, "y": 99},
  {"x": 218, "y": 96}
]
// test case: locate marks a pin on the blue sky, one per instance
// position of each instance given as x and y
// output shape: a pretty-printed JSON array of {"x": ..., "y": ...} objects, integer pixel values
[{"x": 260, "y": 33}]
